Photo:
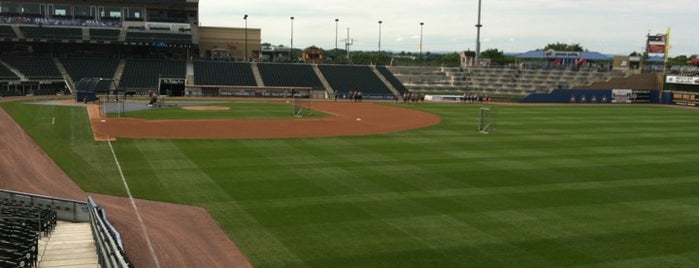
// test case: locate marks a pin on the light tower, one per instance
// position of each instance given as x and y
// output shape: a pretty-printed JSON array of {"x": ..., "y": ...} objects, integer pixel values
[
  {"x": 421, "y": 25},
  {"x": 478, "y": 34},
  {"x": 291, "y": 51},
  {"x": 246, "y": 36}
]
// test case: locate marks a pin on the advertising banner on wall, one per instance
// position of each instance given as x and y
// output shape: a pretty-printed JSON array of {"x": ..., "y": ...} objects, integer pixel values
[
  {"x": 621, "y": 95},
  {"x": 685, "y": 98},
  {"x": 630, "y": 96},
  {"x": 685, "y": 80}
]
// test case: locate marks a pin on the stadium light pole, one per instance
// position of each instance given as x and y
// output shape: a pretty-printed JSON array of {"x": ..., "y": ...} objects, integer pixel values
[
  {"x": 335, "y": 54},
  {"x": 421, "y": 25},
  {"x": 379, "y": 58},
  {"x": 291, "y": 51},
  {"x": 246, "y": 36},
  {"x": 478, "y": 34}
]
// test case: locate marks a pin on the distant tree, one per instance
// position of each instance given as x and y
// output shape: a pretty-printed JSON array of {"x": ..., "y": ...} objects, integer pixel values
[
  {"x": 451, "y": 59},
  {"x": 497, "y": 57},
  {"x": 564, "y": 47},
  {"x": 679, "y": 60}
]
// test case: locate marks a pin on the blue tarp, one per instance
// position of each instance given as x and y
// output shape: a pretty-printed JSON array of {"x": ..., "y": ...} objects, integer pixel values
[
  {"x": 540, "y": 54},
  {"x": 656, "y": 59}
]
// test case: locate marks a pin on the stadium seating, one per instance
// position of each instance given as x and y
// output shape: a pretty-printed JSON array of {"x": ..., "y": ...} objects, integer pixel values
[
  {"x": 97, "y": 34},
  {"x": 345, "y": 78},
  {"x": 392, "y": 79},
  {"x": 35, "y": 67},
  {"x": 223, "y": 73},
  {"x": 52, "y": 33},
  {"x": 7, "y": 32},
  {"x": 495, "y": 80},
  {"x": 20, "y": 228},
  {"x": 292, "y": 75},
  {"x": 6, "y": 74},
  {"x": 149, "y": 37},
  {"x": 144, "y": 74},
  {"x": 79, "y": 68}
]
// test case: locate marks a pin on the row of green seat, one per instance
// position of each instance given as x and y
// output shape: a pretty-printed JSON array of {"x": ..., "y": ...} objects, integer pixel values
[
  {"x": 289, "y": 75},
  {"x": 144, "y": 73},
  {"x": 34, "y": 67},
  {"x": 223, "y": 73},
  {"x": 346, "y": 78}
]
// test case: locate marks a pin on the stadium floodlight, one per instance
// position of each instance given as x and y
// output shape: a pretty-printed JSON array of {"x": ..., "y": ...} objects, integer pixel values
[
  {"x": 246, "y": 36},
  {"x": 335, "y": 54},
  {"x": 291, "y": 51},
  {"x": 421, "y": 25},
  {"x": 380, "y": 22}
]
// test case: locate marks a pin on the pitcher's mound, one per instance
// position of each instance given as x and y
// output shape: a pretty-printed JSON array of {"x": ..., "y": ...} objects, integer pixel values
[{"x": 206, "y": 108}]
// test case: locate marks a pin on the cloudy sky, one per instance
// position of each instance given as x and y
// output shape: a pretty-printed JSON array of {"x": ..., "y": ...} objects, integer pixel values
[{"x": 607, "y": 26}]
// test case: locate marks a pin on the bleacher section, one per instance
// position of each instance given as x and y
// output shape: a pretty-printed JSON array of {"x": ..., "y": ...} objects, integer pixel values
[
  {"x": 51, "y": 33},
  {"x": 98, "y": 34},
  {"x": 392, "y": 79},
  {"x": 7, "y": 32},
  {"x": 6, "y": 74},
  {"x": 35, "y": 67},
  {"x": 345, "y": 78},
  {"x": 291, "y": 75},
  {"x": 149, "y": 37},
  {"x": 21, "y": 226},
  {"x": 495, "y": 80},
  {"x": 223, "y": 73},
  {"x": 79, "y": 68},
  {"x": 143, "y": 74}
]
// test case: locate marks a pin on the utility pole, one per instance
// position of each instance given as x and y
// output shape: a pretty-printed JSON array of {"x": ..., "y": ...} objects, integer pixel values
[{"x": 348, "y": 42}]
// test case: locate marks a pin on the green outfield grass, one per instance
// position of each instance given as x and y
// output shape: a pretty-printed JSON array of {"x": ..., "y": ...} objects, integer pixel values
[{"x": 557, "y": 186}]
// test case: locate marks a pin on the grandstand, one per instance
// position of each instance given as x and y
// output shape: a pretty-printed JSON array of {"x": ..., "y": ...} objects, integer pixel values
[
  {"x": 295, "y": 75},
  {"x": 7, "y": 32},
  {"x": 495, "y": 80},
  {"x": 346, "y": 78},
  {"x": 143, "y": 75},
  {"x": 79, "y": 68},
  {"x": 223, "y": 73},
  {"x": 35, "y": 67}
]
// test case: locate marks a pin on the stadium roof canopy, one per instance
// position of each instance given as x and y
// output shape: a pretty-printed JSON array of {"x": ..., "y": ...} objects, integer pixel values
[{"x": 541, "y": 54}]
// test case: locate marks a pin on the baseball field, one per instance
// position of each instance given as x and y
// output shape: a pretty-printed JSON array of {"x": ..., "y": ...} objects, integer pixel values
[{"x": 550, "y": 186}]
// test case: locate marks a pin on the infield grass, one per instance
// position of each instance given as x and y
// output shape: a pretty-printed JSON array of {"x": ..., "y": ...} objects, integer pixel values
[{"x": 556, "y": 186}]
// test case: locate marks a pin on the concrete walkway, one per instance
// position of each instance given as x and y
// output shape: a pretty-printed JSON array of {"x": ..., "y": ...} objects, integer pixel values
[{"x": 69, "y": 245}]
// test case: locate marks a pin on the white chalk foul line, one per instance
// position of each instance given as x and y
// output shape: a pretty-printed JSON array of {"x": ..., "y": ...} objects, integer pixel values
[{"x": 133, "y": 204}]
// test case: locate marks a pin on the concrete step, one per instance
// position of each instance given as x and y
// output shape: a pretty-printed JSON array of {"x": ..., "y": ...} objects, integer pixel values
[{"x": 69, "y": 245}]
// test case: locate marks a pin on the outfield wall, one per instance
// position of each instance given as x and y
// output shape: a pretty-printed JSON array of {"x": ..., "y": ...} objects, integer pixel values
[{"x": 594, "y": 96}]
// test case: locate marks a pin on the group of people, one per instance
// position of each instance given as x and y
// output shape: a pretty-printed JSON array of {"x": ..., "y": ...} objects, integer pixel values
[
  {"x": 474, "y": 98},
  {"x": 414, "y": 97},
  {"x": 353, "y": 95}
]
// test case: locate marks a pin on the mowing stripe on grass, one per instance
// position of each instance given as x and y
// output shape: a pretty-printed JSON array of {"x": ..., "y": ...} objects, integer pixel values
[{"x": 133, "y": 204}]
